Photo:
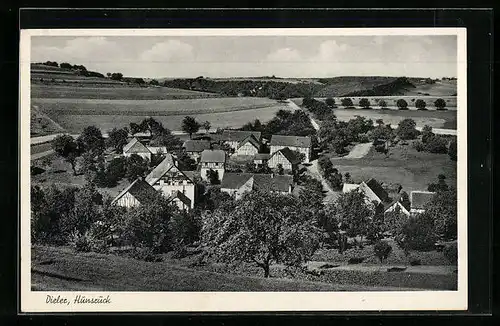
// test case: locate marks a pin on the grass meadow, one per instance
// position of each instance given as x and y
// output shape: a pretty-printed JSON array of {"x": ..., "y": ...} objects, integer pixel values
[{"x": 404, "y": 165}]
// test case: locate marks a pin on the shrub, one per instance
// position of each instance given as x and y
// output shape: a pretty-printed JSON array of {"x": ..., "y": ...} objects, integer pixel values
[
  {"x": 418, "y": 145},
  {"x": 347, "y": 103},
  {"x": 382, "y": 250},
  {"x": 95, "y": 239},
  {"x": 452, "y": 150},
  {"x": 451, "y": 253},
  {"x": 420, "y": 104},
  {"x": 402, "y": 104},
  {"x": 383, "y": 104},
  {"x": 437, "y": 145},
  {"x": 415, "y": 261},
  {"x": 364, "y": 103},
  {"x": 418, "y": 234},
  {"x": 406, "y": 129},
  {"x": 363, "y": 138},
  {"x": 440, "y": 104},
  {"x": 355, "y": 260}
]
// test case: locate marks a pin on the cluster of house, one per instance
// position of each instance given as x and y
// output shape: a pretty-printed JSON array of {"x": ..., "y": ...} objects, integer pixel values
[
  {"x": 211, "y": 154},
  {"x": 374, "y": 192}
]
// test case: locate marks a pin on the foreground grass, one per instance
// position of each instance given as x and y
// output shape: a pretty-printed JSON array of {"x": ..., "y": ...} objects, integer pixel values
[{"x": 56, "y": 268}]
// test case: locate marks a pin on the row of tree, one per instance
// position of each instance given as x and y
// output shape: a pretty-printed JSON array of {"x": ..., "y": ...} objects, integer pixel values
[{"x": 402, "y": 104}]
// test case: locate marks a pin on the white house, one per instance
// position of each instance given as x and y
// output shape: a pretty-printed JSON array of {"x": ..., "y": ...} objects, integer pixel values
[
  {"x": 212, "y": 160},
  {"x": 286, "y": 157},
  {"x": 137, "y": 193},
  {"x": 260, "y": 159},
  {"x": 136, "y": 146},
  {"x": 248, "y": 146},
  {"x": 173, "y": 183},
  {"x": 295, "y": 143},
  {"x": 372, "y": 190},
  {"x": 237, "y": 184},
  {"x": 419, "y": 199},
  {"x": 234, "y": 137}
]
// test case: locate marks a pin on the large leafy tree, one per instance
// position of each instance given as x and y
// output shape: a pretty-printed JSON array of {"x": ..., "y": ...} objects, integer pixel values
[
  {"x": 442, "y": 209},
  {"x": 354, "y": 213},
  {"x": 406, "y": 129},
  {"x": 262, "y": 228},
  {"x": 66, "y": 147},
  {"x": 440, "y": 104},
  {"x": 136, "y": 167},
  {"x": 91, "y": 140},
  {"x": 402, "y": 104},
  {"x": 190, "y": 125},
  {"x": 118, "y": 138}
]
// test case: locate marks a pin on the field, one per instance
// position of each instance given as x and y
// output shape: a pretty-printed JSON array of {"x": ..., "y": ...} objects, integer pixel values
[
  {"x": 404, "y": 165},
  {"x": 435, "y": 119},
  {"x": 59, "y": 268},
  {"x": 75, "y": 114},
  {"x": 121, "y": 92}
]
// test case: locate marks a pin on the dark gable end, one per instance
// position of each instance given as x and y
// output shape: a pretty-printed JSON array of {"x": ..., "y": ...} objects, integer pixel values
[
  {"x": 140, "y": 189},
  {"x": 235, "y": 180},
  {"x": 378, "y": 190}
]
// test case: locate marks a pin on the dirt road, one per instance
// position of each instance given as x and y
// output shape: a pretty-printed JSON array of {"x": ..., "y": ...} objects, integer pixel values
[{"x": 358, "y": 151}]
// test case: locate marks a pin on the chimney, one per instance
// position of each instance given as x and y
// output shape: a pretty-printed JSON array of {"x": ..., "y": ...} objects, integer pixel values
[{"x": 272, "y": 175}]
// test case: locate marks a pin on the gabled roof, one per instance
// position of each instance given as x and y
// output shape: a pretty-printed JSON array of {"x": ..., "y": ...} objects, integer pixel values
[
  {"x": 290, "y": 155},
  {"x": 156, "y": 149},
  {"x": 378, "y": 190},
  {"x": 419, "y": 199},
  {"x": 250, "y": 139},
  {"x": 160, "y": 169},
  {"x": 135, "y": 146},
  {"x": 140, "y": 189},
  {"x": 183, "y": 198},
  {"x": 292, "y": 141},
  {"x": 213, "y": 156},
  {"x": 239, "y": 135},
  {"x": 267, "y": 182},
  {"x": 261, "y": 156},
  {"x": 196, "y": 145}
]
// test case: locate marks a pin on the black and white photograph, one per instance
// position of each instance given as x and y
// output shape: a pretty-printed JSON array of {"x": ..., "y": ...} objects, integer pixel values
[{"x": 200, "y": 169}]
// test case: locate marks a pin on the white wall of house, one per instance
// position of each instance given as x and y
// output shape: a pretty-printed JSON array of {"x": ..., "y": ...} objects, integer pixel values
[
  {"x": 128, "y": 201},
  {"x": 305, "y": 150},
  {"x": 170, "y": 189},
  {"x": 232, "y": 144},
  {"x": 279, "y": 158},
  {"x": 247, "y": 149},
  {"x": 369, "y": 193},
  {"x": 206, "y": 166},
  {"x": 395, "y": 206}
]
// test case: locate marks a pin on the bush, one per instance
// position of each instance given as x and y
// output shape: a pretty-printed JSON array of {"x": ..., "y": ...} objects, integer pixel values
[
  {"x": 452, "y": 150},
  {"x": 402, "y": 104},
  {"x": 382, "y": 250},
  {"x": 95, "y": 239},
  {"x": 418, "y": 145},
  {"x": 451, "y": 253},
  {"x": 415, "y": 261},
  {"x": 420, "y": 104},
  {"x": 356, "y": 260},
  {"x": 417, "y": 234},
  {"x": 437, "y": 145},
  {"x": 363, "y": 138}
]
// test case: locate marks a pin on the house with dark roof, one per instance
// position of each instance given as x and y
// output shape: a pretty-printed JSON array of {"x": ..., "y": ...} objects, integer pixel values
[
  {"x": 248, "y": 146},
  {"x": 397, "y": 205},
  {"x": 194, "y": 148},
  {"x": 169, "y": 179},
  {"x": 261, "y": 159},
  {"x": 288, "y": 159},
  {"x": 212, "y": 159},
  {"x": 418, "y": 200},
  {"x": 372, "y": 189},
  {"x": 234, "y": 138},
  {"x": 137, "y": 193},
  {"x": 236, "y": 184},
  {"x": 295, "y": 143},
  {"x": 138, "y": 147}
]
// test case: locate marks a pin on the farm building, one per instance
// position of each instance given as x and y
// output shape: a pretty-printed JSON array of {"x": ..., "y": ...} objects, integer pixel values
[
  {"x": 194, "y": 148},
  {"x": 261, "y": 159},
  {"x": 212, "y": 160},
  {"x": 168, "y": 178},
  {"x": 295, "y": 143},
  {"x": 135, "y": 194},
  {"x": 236, "y": 184},
  {"x": 248, "y": 146},
  {"x": 286, "y": 157},
  {"x": 419, "y": 200},
  {"x": 397, "y": 205},
  {"x": 136, "y": 146},
  {"x": 372, "y": 190},
  {"x": 234, "y": 137}
]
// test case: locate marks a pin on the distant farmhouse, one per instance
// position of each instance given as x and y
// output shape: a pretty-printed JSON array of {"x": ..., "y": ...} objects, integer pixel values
[
  {"x": 233, "y": 138},
  {"x": 173, "y": 183},
  {"x": 286, "y": 157},
  {"x": 137, "y": 193},
  {"x": 135, "y": 146},
  {"x": 248, "y": 146},
  {"x": 295, "y": 143},
  {"x": 212, "y": 160},
  {"x": 194, "y": 148},
  {"x": 236, "y": 184}
]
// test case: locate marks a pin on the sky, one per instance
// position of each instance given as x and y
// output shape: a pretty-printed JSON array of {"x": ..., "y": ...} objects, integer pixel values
[{"x": 251, "y": 56}]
